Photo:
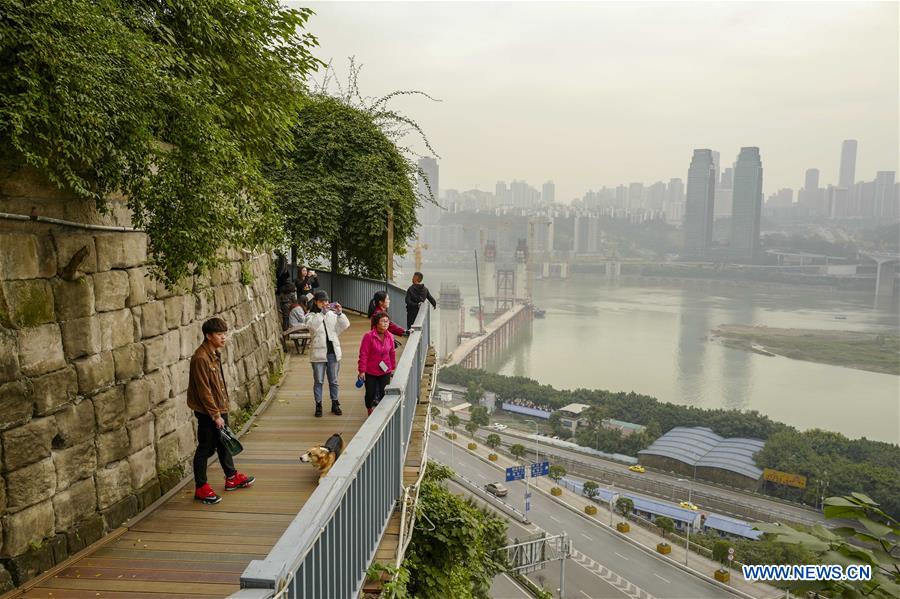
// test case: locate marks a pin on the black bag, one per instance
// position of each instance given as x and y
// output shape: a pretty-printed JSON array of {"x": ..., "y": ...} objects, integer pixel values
[{"x": 230, "y": 441}]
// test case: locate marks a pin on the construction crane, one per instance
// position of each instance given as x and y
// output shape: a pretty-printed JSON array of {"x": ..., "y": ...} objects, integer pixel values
[{"x": 417, "y": 253}]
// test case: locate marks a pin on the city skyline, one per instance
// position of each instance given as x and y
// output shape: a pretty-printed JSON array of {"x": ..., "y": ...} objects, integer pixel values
[{"x": 599, "y": 94}]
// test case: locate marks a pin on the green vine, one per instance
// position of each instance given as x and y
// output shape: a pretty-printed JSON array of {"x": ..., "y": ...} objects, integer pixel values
[
  {"x": 174, "y": 104},
  {"x": 246, "y": 276}
]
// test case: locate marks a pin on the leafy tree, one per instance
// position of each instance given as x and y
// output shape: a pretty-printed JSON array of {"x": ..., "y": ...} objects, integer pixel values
[
  {"x": 624, "y": 505},
  {"x": 474, "y": 393},
  {"x": 472, "y": 428},
  {"x": 557, "y": 472},
  {"x": 435, "y": 412},
  {"x": 459, "y": 555},
  {"x": 175, "y": 105},
  {"x": 493, "y": 441},
  {"x": 720, "y": 552},
  {"x": 873, "y": 540},
  {"x": 590, "y": 489},
  {"x": 518, "y": 450},
  {"x": 346, "y": 177},
  {"x": 453, "y": 421},
  {"x": 479, "y": 416},
  {"x": 665, "y": 524}
]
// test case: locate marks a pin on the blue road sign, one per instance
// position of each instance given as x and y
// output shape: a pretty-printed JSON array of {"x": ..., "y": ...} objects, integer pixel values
[
  {"x": 515, "y": 473},
  {"x": 540, "y": 469}
]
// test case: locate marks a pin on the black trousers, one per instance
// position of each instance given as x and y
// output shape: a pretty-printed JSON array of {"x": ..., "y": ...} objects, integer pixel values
[
  {"x": 411, "y": 313},
  {"x": 375, "y": 388},
  {"x": 209, "y": 441}
]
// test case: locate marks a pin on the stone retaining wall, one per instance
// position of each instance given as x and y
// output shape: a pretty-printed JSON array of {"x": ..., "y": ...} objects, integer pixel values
[{"x": 94, "y": 371}]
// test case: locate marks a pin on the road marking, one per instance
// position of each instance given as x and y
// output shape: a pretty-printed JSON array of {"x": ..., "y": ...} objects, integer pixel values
[
  {"x": 556, "y": 520},
  {"x": 662, "y": 579},
  {"x": 587, "y": 537},
  {"x": 585, "y": 594},
  {"x": 602, "y": 572},
  {"x": 620, "y": 555}
]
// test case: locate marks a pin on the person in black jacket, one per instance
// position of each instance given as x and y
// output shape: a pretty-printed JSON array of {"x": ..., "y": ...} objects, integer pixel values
[{"x": 415, "y": 295}]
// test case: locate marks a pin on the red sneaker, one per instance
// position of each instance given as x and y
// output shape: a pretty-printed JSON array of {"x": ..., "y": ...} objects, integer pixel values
[
  {"x": 206, "y": 495},
  {"x": 238, "y": 481}
]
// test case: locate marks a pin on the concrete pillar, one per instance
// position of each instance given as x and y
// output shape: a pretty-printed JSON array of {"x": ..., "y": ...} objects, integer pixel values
[{"x": 884, "y": 279}]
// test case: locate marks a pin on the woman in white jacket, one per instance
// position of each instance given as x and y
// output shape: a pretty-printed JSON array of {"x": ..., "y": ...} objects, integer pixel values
[{"x": 326, "y": 322}]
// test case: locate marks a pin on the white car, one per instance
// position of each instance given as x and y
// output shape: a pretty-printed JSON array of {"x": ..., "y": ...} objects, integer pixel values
[{"x": 499, "y": 427}]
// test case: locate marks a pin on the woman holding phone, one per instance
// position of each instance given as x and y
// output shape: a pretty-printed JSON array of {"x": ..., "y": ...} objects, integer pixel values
[
  {"x": 377, "y": 359},
  {"x": 326, "y": 322}
]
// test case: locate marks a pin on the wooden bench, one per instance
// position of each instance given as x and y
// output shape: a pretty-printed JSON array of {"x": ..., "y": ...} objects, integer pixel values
[{"x": 299, "y": 335}]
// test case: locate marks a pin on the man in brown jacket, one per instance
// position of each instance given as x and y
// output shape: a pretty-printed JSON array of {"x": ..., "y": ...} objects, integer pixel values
[{"x": 207, "y": 395}]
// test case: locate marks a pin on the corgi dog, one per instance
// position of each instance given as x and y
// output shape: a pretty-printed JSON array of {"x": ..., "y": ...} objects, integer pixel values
[{"x": 324, "y": 456}]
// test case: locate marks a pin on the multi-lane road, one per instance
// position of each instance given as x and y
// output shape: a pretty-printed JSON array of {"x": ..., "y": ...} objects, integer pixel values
[{"x": 602, "y": 565}]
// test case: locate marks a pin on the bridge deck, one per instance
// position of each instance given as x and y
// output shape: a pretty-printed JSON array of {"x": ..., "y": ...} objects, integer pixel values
[{"x": 180, "y": 548}]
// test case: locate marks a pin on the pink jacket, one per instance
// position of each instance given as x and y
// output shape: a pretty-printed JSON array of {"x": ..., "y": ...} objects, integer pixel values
[{"x": 373, "y": 350}]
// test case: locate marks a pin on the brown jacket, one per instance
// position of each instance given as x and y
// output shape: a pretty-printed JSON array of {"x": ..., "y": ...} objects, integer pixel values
[{"x": 207, "y": 392}]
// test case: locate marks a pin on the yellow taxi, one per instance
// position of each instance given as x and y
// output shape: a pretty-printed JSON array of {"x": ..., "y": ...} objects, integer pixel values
[
  {"x": 688, "y": 505},
  {"x": 637, "y": 468}
]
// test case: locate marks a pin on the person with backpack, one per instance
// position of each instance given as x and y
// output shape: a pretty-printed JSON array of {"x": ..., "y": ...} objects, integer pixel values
[
  {"x": 326, "y": 322},
  {"x": 377, "y": 359},
  {"x": 416, "y": 294},
  {"x": 380, "y": 302}
]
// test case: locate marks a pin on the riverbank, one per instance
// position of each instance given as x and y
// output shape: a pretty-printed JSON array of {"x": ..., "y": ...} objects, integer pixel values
[{"x": 873, "y": 352}]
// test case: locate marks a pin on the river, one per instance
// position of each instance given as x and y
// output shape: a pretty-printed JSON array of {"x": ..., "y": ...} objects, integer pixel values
[{"x": 654, "y": 339}]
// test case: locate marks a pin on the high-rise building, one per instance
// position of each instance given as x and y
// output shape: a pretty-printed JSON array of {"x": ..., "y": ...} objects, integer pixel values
[
  {"x": 727, "y": 178},
  {"x": 885, "y": 204},
  {"x": 812, "y": 198},
  {"x": 501, "y": 193},
  {"x": 746, "y": 208},
  {"x": 429, "y": 213},
  {"x": 635, "y": 195},
  {"x": 656, "y": 196},
  {"x": 621, "y": 197},
  {"x": 848, "y": 164},
  {"x": 812, "y": 179},
  {"x": 548, "y": 192},
  {"x": 674, "y": 206},
  {"x": 717, "y": 164},
  {"x": 699, "y": 204}
]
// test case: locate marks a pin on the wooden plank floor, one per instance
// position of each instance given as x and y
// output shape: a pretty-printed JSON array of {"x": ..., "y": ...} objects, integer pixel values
[{"x": 185, "y": 549}]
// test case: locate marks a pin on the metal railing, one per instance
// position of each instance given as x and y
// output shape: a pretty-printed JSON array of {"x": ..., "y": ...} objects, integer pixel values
[
  {"x": 328, "y": 547},
  {"x": 355, "y": 293}
]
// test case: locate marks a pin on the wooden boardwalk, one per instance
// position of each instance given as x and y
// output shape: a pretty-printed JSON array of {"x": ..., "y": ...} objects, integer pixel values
[{"x": 180, "y": 548}]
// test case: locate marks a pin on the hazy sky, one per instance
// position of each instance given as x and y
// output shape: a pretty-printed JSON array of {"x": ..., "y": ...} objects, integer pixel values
[{"x": 601, "y": 93}]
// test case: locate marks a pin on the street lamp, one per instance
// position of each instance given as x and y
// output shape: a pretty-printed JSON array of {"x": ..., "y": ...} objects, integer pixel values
[
  {"x": 687, "y": 538},
  {"x": 690, "y": 487},
  {"x": 537, "y": 452}
]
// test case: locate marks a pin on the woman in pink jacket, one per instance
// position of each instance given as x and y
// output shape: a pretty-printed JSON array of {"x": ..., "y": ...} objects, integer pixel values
[{"x": 377, "y": 359}]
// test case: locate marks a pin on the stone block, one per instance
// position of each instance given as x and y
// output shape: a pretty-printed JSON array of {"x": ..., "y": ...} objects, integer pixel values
[
  {"x": 16, "y": 404},
  {"x": 149, "y": 493},
  {"x": 113, "y": 483},
  {"x": 167, "y": 452},
  {"x": 119, "y": 512},
  {"x": 174, "y": 306},
  {"x": 30, "y": 485},
  {"x": 31, "y": 525},
  {"x": 26, "y": 256},
  {"x": 95, "y": 372},
  {"x": 39, "y": 557},
  {"x": 75, "y": 504},
  {"x": 191, "y": 338},
  {"x": 153, "y": 319},
  {"x": 83, "y": 534},
  {"x": 129, "y": 361},
  {"x": 6, "y": 580},
  {"x": 29, "y": 302},
  {"x": 9, "y": 356},
  {"x": 109, "y": 409},
  {"x": 111, "y": 289},
  {"x": 243, "y": 313},
  {"x": 179, "y": 374},
  {"x": 28, "y": 443},
  {"x": 74, "y": 425},
  {"x": 140, "y": 433},
  {"x": 187, "y": 439},
  {"x": 202, "y": 306},
  {"x": 165, "y": 421},
  {"x": 74, "y": 464},
  {"x": 160, "y": 386},
  {"x": 137, "y": 398},
  {"x": 120, "y": 250},
  {"x": 137, "y": 287},
  {"x": 112, "y": 446},
  {"x": 221, "y": 302},
  {"x": 2, "y": 499},
  {"x": 162, "y": 351},
  {"x": 143, "y": 467},
  {"x": 73, "y": 299},
  {"x": 40, "y": 350},
  {"x": 81, "y": 337},
  {"x": 116, "y": 329},
  {"x": 68, "y": 244},
  {"x": 53, "y": 391}
]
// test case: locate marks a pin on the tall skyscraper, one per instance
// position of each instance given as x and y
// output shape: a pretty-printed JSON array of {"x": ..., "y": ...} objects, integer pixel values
[
  {"x": 501, "y": 193},
  {"x": 746, "y": 208},
  {"x": 848, "y": 164},
  {"x": 727, "y": 178},
  {"x": 656, "y": 196},
  {"x": 812, "y": 198},
  {"x": 429, "y": 213},
  {"x": 548, "y": 192},
  {"x": 635, "y": 195},
  {"x": 812, "y": 179},
  {"x": 885, "y": 204},
  {"x": 699, "y": 204},
  {"x": 717, "y": 165}
]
